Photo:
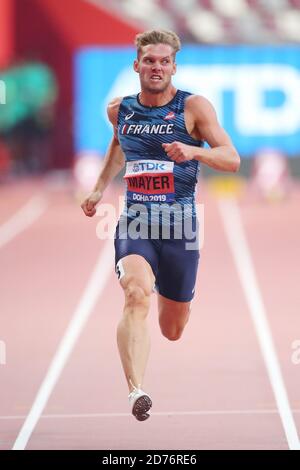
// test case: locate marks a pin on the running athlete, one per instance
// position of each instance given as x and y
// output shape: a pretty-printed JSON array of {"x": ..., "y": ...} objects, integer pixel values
[{"x": 159, "y": 133}]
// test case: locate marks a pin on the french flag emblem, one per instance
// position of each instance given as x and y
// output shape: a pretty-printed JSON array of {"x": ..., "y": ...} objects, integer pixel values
[{"x": 170, "y": 115}]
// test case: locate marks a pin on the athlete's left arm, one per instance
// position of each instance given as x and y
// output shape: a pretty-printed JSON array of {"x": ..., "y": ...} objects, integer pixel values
[{"x": 222, "y": 155}]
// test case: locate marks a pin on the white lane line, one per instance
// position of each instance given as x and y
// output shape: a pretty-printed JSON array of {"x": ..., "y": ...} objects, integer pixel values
[
  {"x": 82, "y": 313},
  {"x": 241, "y": 254},
  {"x": 22, "y": 219},
  {"x": 157, "y": 413}
]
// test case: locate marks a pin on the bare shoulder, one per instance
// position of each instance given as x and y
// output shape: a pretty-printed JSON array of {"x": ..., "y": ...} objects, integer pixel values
[
  {"x": 200, "y": 107},
  {"x": 113, "y": 109}
]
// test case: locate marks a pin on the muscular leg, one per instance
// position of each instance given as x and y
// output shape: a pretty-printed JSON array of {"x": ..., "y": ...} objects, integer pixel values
[
  {"x": 173, "y": 317},
  {"x": 132, "y": 333}
]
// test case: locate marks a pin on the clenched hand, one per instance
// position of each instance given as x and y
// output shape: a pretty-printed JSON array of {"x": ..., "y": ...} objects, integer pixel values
[
  {"x": 89, "y": 204},
  {"x": 179, "y": 152}
]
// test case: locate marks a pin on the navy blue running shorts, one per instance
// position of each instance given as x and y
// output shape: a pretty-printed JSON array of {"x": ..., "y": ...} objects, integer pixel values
[{"x": 174, "y": 267}]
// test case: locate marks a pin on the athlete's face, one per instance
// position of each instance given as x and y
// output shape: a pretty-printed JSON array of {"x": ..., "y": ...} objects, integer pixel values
[{"x": 155, "y": 65}]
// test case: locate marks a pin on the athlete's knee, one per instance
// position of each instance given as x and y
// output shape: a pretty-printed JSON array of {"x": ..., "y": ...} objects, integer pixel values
[
  {"x": 136, "y": 294},
  {"x": 173, "y": 334},
  {"x": 171, "y": 329}
]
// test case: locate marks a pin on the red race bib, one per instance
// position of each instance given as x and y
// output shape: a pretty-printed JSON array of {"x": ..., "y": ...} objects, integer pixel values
[{"x": 150, "y": 181}]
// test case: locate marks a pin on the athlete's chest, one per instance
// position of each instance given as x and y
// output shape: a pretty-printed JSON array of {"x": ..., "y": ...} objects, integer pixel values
[{"x": 135, "y": 122}]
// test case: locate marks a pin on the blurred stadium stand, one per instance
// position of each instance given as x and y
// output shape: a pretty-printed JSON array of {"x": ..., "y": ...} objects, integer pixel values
[
  {"x": 215, "y": 21},
  {"x": 50, "y": 32}
]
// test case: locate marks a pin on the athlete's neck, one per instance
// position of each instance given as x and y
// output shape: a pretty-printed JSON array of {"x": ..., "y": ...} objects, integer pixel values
[{"x": 157, "y": 99}]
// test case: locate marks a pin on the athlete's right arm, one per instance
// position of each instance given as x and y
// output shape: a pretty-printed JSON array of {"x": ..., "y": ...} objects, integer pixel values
[{"x": 113, "y": 163}]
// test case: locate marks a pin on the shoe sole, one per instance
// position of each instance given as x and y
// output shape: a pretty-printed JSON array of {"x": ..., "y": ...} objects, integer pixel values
[{"x": 140, "y": 408}]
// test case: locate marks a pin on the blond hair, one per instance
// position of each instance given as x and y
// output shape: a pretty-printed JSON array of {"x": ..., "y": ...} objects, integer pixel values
[{"x": 157, "y": 37}]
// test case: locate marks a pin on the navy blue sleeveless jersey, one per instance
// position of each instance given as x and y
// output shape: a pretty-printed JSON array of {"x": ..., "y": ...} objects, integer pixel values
[{"x": 151, "y": 176}]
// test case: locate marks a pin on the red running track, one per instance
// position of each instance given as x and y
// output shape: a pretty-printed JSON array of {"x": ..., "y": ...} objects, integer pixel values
[{"x": 210, "y": 390}]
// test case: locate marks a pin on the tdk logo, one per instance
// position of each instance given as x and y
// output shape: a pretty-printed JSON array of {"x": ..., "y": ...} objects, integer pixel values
[{"x": 148, "y": 166}]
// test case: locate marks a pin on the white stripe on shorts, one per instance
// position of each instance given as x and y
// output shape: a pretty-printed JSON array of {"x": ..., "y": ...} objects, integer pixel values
[{"x": 120, "y": 269}]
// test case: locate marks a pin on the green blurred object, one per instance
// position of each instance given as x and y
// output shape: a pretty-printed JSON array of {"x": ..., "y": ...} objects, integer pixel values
[{"x": 29, "y": 89}]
